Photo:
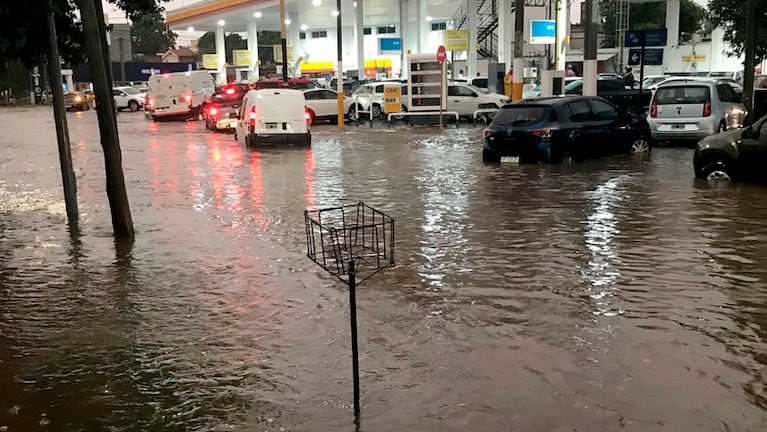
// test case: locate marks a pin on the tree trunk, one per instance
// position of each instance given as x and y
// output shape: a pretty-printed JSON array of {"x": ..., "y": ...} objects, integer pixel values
[{"x": 95, "y": 44}]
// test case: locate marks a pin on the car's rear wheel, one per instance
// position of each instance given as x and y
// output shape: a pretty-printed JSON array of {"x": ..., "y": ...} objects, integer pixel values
[
  {"x": 376, "y": 110},
  {"x": 312, "y": 117},
  {"x": 716, "y": 171},
  {"x": 640, "y": 145},
  {"x": 133, "y": 105}
]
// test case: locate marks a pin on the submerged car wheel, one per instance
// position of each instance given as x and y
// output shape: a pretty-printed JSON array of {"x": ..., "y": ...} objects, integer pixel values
[
  {"x": 376, "y": 110},
  {"x": 640, "y": 145},
  {"x": 716, "y": 171},
  {"x": 133, "y": 106}
]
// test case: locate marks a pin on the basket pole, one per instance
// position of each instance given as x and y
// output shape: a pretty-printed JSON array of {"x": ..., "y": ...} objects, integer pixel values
[{"x": 355, "y": 356}]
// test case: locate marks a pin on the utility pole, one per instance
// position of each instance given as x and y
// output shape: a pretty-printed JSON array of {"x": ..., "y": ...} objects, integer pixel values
[
  {"x": 94, "y": 29},
  {"x": 519, "y": 45},
  {"x": 748, "y": 63},
  {"x": 590, "y": 50},
  {"x": 122, "y": 60},
  {"x": 340, "y": 66},
  {"x": 60, "y": 117},
  {"x": 284, "y": 41}
]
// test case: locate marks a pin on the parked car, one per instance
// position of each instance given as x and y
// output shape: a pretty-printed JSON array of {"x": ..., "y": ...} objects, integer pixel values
[
  {"x": 322, "y": 105},
  {"x": 276, "y": 116},
  {"x": 735, "y": 155},
  {"x": 128, "y": 97},
  {"x": 614, "y": 90},
  {"x": 220, "y": 112},
  {"x": 651, "y": 80},
  {"x": 465, "y": 99},
  {"x": 180, "y": 95},
  {"x": 76, "y": 101},
  {"x": 563, "y": 130},
  {"x": 371, "y": 97},
  {"x": 693, "y": 109},
  {"x": 536, "y": 91}
]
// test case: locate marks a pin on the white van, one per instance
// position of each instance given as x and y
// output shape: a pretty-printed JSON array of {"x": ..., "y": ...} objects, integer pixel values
[
  {"x": 273, "y": 116},
  {"x": 180, "y": 94}
]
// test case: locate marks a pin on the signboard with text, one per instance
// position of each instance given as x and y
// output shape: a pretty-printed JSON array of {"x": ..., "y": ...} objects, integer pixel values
[
  {"x": 241, "y": 57},
  {"x": 638, "y": 38},
  {"x": 457, "y": 40},
  {"x": 210, "y": 61},
  {"x": 389, "y": 44},
  {"x": 543, "y": 31},
  {"x": 652, "y": 57},
  {"x": 392, "y": 98}
]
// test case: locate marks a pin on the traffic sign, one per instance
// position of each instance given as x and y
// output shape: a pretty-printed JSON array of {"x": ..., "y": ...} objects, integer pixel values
[
  {"x": 441, "y": 54},
  {"x": 638, "y": 38},
  {"x": 652, "y": 57}
]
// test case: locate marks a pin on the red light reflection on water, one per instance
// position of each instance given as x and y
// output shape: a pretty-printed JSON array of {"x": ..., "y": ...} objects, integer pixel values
[
  {"x": 309, "y": 179},
  {"x": 223, "y": 160}
]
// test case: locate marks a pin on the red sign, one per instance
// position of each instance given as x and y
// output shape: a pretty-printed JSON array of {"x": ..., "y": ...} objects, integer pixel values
[{"x": 441, "y": 54}]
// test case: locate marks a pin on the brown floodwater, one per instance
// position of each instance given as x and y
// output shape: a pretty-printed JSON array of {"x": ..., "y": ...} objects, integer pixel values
[{"x": 618, "y": 294}]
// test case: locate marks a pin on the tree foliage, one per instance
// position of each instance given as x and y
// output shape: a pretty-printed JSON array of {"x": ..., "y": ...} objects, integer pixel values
[
  {"x": 652, "y": 15},
  {"x": 731, "y": 16},
  {"x": 149, "y": 34},
  {"x": 24, "y": 33}
]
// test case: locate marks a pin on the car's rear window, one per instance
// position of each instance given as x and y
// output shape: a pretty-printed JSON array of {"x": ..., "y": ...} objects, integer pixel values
[
  {"x": 518, "y": 115},
  {"x": 682, "y": 95}
]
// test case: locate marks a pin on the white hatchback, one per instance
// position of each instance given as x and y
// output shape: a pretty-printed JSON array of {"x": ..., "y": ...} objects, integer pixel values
[{"x": 322, "y": 104}]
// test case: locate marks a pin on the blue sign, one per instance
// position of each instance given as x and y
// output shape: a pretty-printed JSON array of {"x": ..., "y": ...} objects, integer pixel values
[
  {"x": 638, "y": 38},
  {"x": 390, "y": 44},
  {"x": 543, "y": 31},
  {"x": 652, "y": 57}
]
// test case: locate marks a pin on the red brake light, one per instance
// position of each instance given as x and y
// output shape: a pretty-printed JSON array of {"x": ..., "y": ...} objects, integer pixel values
[
  {"x": 213, "y": 111},
  {"x": 707, "y": 108},
  {"x": 252, "y": 117},
  {"x": 308, "y": 117},
  {"x": 230, "y": 90},
  {"x": 166, "y": 75},
  {"x": 151, "y": 102},
  {"x": 654, "y": 109},
  {"x": 253, "y": 114},
  {"x": 487, "y": 133},
  {"x": 188, "y": 99}
]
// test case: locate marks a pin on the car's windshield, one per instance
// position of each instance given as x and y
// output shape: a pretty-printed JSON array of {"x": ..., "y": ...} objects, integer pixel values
[
  {"x": 130, "y": 90},
  {"x": 519, "y": 115}
]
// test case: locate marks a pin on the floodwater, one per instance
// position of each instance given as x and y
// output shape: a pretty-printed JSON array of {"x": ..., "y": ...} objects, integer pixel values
[{"x": 618, "y": 294}]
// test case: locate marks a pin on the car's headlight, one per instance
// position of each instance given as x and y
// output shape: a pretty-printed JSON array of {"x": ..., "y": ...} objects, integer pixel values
[{"x": 735, "y": 118}]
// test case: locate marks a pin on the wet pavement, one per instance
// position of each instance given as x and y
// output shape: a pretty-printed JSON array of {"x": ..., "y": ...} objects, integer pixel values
[{"x": 618, "y": 294}]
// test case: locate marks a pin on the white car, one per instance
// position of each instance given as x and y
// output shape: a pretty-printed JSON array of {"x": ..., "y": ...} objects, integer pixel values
[
  {"x": 275, "y": 116},
  {"x": 465, "y": 99},
  {"x": 373, "y": 93},
  {"x": 536, "y": 91},
  {"x": 128, "y": 97},
  {"x": 322, "y": 104}
]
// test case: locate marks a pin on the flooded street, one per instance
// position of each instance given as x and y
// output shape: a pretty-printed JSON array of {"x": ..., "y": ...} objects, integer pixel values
[{"x": 618, "y": 294}]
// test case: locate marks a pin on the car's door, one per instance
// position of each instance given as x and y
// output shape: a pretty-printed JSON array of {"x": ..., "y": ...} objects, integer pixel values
[
  {"x": 314, "y": 102},
  {"x": 462, "y": 99},
  {"x": 580, "y": 139},
  {"x": 120, "y": 98},
  {"x": 329, "y": 101},
  {"x": 753, "y": 154},
  {"x": 612, "y": 132}
]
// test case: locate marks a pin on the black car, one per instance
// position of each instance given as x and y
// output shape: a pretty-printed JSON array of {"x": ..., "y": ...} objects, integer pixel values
[
  {"x": 735, "y": 155},
  {"x": 563, "y": 130}
]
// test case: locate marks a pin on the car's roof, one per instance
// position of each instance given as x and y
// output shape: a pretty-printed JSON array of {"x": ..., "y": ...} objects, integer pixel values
[{"x": 686, "y": 81}]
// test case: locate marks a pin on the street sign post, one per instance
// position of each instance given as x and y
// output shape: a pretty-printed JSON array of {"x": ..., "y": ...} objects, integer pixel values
[
  {"x": 441, "y": 57},
  {"x": 642, "y": 56},
  {"x": 650, "y": 57}
]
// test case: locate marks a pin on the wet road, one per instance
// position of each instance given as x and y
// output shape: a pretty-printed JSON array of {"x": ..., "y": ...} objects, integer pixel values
[{"x": 618, "y": 294}]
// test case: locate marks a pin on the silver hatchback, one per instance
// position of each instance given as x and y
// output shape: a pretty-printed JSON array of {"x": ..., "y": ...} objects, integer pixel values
[{"x": 693, "y": 109}]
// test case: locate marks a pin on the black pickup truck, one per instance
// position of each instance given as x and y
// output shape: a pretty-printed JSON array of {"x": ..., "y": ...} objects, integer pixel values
[
  {"x": 221, "y": 111},
  {"x": 615, "y": 91}
]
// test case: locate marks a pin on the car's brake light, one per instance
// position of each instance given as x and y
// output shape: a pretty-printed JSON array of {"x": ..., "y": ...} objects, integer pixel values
[
  {"x": 213, "y": 111},
  {"x": 252, "y": 116},
  {"x": 487, "y": 133},
  {"x": 707, "y": 108},
  {"x": 230, "y": 90},
  {"x": 654, "y": 109},
  {"x": 307, "y": 117},
  {"x": 188, "y": 99},
  {"x": 543, "y": 133}
]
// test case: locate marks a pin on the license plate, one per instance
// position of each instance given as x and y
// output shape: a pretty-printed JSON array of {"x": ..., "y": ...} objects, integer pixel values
[
  {"x": 510, "y": 159},
  {"x": 678, "y": 126},
  {"x": 272, "y": 126}
]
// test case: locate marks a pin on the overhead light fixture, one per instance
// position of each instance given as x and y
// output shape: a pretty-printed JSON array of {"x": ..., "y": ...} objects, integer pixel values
[
  {"x": 257, "y": 14},
  {"x": 355, "y": 4},
  {"x": 428, "y": 19},
  {"x": 287, "y": 21},
  {"x": 304, "y": 27},
  {"x": 335, "y": 13},
  {"x": 221, "y": 22},
  {"x": 190, "y": 29},
  {"x": 317, "y": 2}
]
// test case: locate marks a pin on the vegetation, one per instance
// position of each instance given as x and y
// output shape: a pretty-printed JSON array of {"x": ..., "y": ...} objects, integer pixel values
[
  {"x": 150, "y": 35},
  {"x": 731, "y": 16},
  {"x": 652, "y": 15}
]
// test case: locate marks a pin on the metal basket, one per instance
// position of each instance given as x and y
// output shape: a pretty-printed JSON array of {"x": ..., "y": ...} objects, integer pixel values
[{"x": 335, "y": 236}]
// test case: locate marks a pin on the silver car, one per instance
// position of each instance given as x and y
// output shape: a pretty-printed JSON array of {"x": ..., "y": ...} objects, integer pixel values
[{"x": 693, "y": 109}]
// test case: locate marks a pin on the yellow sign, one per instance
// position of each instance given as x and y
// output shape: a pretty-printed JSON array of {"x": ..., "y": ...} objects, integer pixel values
[
  {"x": 693, "y": 58},
  {"x": 210, "y": 61},
  {"x": 241, "y": 57},
  {"x": 392, "y": 98},
  {"x": 278, "y": 53},
  {"x": 457, "y": 40},
  {"x": 318, "y": 67}
]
